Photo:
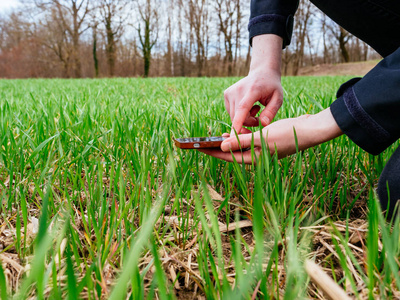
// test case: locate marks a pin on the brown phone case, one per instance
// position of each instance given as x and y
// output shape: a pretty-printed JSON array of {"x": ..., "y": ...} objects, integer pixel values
[{"x": 199, "y": 142}]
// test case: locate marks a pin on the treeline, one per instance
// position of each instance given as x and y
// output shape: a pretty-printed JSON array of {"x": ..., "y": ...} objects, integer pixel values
[{"x": 106, "y": 38}]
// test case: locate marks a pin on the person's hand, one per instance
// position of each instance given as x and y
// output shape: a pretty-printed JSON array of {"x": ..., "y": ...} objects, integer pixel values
[
  {"x": 310, "y": 130},
  {"x": 263, "y": 85},
  {"x": 260, "y": 85}
]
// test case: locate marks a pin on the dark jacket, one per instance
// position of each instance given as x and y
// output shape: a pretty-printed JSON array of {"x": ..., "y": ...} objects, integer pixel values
[{"x": 367, "y": 109}]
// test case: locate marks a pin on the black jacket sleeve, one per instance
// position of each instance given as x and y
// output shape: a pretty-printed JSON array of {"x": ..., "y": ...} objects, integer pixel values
[
  {"x": 367, "y": 109},
  {"x": 272, "y": 16}
]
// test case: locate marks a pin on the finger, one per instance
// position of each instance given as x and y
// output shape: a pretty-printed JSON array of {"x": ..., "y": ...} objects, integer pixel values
[
  {"x": 217, "y": 154},
  {"x": 242, "y": 110},
  {"x": 232, "y": 110},
  {"x": 270, "y": 110},
  {"x": 234, "y": 132},
  {"x": 237, "y": 156},
  {"x": 243, "y": 141},
  {"x": 254, "y": 110},
  {"x": 252, "y": 120},
  {"x": 227, "y": 105},
  {"x": 245, "y": 131}
]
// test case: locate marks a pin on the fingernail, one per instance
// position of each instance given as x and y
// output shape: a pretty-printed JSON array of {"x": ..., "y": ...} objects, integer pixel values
[
  {"x": 226, "y": 146},
  {"x": 266, "y": 120}
]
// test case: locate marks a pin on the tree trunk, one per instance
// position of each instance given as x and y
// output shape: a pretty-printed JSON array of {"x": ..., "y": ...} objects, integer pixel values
[
  {"x": 77, "y": 60},
  {"x": 75, "y": 38},
  {"x": 95, "y": 59},
  {"x": 342, "y": 45},
  {"x": 110, "y": 48}
]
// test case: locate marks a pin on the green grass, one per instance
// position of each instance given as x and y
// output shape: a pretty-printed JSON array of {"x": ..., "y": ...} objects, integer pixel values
[{"x": 123, "y": 214}]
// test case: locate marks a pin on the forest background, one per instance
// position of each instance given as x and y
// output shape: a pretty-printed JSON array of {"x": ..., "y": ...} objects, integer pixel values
[{"x": 130, "y": 38}]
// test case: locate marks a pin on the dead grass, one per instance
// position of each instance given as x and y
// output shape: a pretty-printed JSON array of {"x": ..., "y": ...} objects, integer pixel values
[{"x": 179, "y": 253}]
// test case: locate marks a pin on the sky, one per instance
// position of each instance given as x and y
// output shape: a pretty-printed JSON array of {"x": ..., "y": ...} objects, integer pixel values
[{"x": 7, "y": 4}]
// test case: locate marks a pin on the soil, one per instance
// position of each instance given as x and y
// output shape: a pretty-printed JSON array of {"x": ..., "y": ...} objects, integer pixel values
[{"x": 351, "y": 69}]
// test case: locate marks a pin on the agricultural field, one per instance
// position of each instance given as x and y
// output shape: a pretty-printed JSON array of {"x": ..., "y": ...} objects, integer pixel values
[{"x": 97, "y": 203}]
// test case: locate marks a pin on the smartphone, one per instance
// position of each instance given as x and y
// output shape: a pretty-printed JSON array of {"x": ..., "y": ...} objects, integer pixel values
[{"x": 199, "y": 142}]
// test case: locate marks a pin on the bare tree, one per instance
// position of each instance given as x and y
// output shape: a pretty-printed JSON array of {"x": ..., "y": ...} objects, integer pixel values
[
  {"x": 70, "y": 16},
  {"x": 3, "y": 38},
  {"x": 229, "y": 20},
  {"x": 197, "y": 15},
  {"x": 240, "y": 17},
  {"x": 13, "y": 30},
  {"x": 148, "y": 11},
  {"x": 54, "y": 37},
  {"x": 17, "y": 47},
  {"x": 113, "y": 16},
  {"x": 94, "y": 26},
  {"x": 182, "y": 42},
  {"x": 301, "y": 32},
  {"x": 170, "y": 29},
  {"x": 341, "y": 36},
  {"x": 324, "y": 38},
  {"x": 227, "y": 12}
]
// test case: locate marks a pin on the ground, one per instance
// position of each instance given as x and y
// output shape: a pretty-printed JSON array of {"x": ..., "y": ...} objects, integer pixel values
[{"x": 345, "y": 69}]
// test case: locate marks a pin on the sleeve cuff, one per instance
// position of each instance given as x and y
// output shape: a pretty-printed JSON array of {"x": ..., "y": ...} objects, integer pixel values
[
  {"x": 358, "y": 125},
  {"x": 272, "y": 24}
]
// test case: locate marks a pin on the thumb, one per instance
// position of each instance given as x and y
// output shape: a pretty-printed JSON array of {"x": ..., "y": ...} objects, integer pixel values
[{"x": 236, "y": 143}]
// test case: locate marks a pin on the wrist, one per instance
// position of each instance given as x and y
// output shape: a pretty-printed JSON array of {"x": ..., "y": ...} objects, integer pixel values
[
  {"x": 324, "y": 127},
  {"x": 266, "y": 53}
]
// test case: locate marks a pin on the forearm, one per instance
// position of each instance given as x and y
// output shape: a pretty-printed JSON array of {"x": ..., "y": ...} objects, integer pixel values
[
  {"x": 267, "y": 53},
  {"x": 307, "y": 130},
  {"x": 317, "y": 129}
]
